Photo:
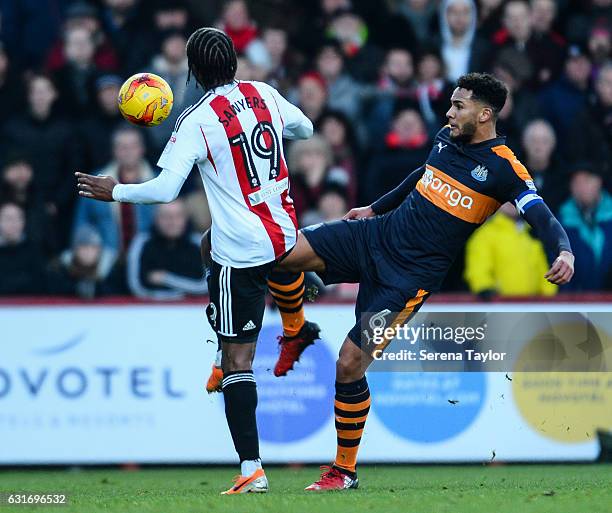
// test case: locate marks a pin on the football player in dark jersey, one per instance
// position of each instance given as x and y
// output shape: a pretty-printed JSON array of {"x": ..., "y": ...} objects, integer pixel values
[{"x": 400, "y": 248}]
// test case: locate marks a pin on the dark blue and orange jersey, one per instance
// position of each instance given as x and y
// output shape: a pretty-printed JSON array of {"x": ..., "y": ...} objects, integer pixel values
[{"x": 461, "y": 186}]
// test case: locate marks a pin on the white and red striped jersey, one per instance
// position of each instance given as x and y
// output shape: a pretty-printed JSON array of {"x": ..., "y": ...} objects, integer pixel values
[{"x": 234, "y": 135}]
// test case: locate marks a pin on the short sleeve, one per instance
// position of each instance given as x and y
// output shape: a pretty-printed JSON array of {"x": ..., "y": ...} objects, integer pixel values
[
  {"x": 515, "y": 182},
  {"x": 185, "y": 148}
]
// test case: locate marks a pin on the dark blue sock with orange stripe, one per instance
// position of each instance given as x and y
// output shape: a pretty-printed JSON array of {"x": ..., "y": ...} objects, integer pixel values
[
  {"x": 287, "y": 290},
  {"x": 351, "y": 409}
]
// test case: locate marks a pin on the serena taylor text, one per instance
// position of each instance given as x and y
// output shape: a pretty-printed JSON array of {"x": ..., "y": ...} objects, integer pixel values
[{"x": 425, "y": 355}]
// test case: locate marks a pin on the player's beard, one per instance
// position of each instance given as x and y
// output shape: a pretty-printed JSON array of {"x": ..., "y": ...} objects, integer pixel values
[{"x": 466, "y": 134}]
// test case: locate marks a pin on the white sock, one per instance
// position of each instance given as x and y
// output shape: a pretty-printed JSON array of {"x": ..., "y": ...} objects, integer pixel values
[{"x": 248, "y": 467}]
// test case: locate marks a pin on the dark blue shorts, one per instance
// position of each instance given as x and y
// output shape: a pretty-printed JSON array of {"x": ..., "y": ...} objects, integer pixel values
[{"x": 347, "y": 248}]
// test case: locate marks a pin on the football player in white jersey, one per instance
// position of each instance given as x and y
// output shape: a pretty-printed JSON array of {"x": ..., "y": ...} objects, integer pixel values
[{"x": 234, "y": 136}]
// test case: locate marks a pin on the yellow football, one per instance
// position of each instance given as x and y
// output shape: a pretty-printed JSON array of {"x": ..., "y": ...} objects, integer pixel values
[{"x": 145, "y": 99}]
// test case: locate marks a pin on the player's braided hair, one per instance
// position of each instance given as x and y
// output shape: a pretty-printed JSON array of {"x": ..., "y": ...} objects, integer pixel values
[
  {"x": 211, "y": 57},
  {"x": 486, "y": 89}
]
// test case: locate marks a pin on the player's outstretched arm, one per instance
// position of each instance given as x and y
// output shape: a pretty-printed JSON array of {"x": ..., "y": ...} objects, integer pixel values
[
  {"x": 555, "y": 241},
  {"x": 394, "y": 198},
  {"x": 163, "y": 189}
]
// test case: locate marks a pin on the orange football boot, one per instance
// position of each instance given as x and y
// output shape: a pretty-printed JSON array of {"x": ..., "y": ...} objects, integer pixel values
[
  {"x": 257, "y": 482},
  {"x": 214, "y": 380}
]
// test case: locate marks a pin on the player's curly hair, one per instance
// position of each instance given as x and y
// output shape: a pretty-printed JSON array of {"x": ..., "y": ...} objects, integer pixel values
[
  {"x": 486, "y": 89},
  {"x": 211, "y": 57}
]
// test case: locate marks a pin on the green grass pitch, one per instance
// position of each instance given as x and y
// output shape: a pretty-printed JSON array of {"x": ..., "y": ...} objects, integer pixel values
[{"x": 388, "y": 489}]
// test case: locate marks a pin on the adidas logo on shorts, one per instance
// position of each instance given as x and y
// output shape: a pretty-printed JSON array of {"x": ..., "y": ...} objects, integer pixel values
[{"x": 249, "y": 326}]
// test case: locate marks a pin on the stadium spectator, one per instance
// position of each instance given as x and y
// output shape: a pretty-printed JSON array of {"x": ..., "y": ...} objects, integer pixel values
[
  {"x": 20, "y": 260},
  {"x": 549, "y": 44},
  {"x": 312, "y": 95},
  {"x": 461, "y": 49},
  {"x": 362, "y": 58},
  {"x": 172, "y": 15},
  {"x": 165, "y": 263},
  {"x": 588, "y": 15},
  {"x": 515, "y": 69},
  {"x": 587, "y": 218},
  {"x": 237, "y": 23},
  {"x": 52, "y": 144},
  {"x": 397, "y": 74},
  {"x": 281, "y": 60},
  {"x": 539, "y": 143},
  {"x": 244, "y": 69},
  {"x": 76, "y": 78},
  {"x": 338, "y": 131},
  {"x": 502, "y": 258},
  {"x": 167, "y": 17},
  {"x": 432, "y": 90},
  {"x": 81, "y": 271},
  {"x": 96, "y": 129},
  {"x": 17, "y": 186},
  {"x": 332, "y": 206},
  {"x": 119, "y": 223},
  {"x": 508, "y": 122},
  {"x": 310, "y": 163},
  {"x": 600, "y": 47},
  {"x": 420, "y": 15},
  {"x": 171, "y": 64},
  {"x": 344, "y": 93},
  {"x": 591, "y": 134},
  {"x": 490, "y": 12},
  {"x": 563, "y": 99},
  {"x": 86, "y": 16},
  {"x": 395, "y": 89},
  {"x": 310, "y": 35},
  {"x": 539, "y": 45},
  {"x": 128, "y": 29},
  {"x": 406, "y": 148},
  {"x": 543, "y": 16},
  {"x": 29, "y": 28},
  {"x": 11, "y": 87}
]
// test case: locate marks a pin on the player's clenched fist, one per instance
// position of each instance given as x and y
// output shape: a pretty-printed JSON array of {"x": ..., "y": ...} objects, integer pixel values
[
  {"x": 562, "y": 269},
  {"x": 359, "y": 213},
  {"x": 96, "y": 187}
]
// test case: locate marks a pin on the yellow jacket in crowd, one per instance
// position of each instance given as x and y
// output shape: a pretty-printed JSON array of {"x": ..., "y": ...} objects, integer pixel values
[{"x": 503, "y": 258}]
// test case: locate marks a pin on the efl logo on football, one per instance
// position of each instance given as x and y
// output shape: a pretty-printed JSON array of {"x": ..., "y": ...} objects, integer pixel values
[{"x": 452, "y": 196}]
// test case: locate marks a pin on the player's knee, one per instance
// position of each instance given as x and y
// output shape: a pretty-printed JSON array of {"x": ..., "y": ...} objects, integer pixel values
[
  {"x": 348, "y": 366},
  {"x": 237, "y": 360}
]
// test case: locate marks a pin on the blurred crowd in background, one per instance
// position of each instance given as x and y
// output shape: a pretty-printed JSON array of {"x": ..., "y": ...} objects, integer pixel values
[{"x": 375, "y": 78}]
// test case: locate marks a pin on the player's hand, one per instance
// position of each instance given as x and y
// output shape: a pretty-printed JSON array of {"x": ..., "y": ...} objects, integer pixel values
[
  {"x": 96, "y": 187},
  {"x": 359, "y": 213},
  {"x": 562, "y": 269}
]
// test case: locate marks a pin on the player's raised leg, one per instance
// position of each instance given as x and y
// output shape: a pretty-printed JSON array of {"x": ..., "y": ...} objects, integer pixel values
[
  {"x": 302, "y": 257},
  {"x": 287, "y": 289}
]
